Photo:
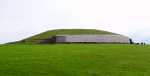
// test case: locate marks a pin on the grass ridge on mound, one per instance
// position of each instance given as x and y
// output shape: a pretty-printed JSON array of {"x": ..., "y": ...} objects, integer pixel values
[{"x": 37, "y": 38}]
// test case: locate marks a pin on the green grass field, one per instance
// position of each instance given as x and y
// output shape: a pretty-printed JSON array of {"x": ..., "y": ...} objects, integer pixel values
[{"x": 75, "y": 60}]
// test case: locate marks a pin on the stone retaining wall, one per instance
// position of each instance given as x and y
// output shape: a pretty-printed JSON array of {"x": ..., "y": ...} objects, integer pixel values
[{"x": 93, "y": 38}]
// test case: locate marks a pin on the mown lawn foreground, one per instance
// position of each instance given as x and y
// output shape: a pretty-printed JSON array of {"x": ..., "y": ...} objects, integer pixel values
[{"x": 75, "y": 60}]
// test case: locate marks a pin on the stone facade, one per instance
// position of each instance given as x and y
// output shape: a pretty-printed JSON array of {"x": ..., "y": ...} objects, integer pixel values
[{"x": 92, "y": 39}]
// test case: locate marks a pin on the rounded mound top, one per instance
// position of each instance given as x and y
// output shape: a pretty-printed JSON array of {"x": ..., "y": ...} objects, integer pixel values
[{"x": 47, "y": 34}]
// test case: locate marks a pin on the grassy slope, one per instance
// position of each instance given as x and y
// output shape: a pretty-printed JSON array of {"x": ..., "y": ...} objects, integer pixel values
[
  {"x": 75, "y": 60},
  {"x": 47, "y": 34}
]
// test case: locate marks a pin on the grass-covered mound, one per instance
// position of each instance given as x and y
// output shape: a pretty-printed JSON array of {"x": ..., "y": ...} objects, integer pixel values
[
  {"x": 47, "y": 34},
  {"x": 75, "y": 60}
]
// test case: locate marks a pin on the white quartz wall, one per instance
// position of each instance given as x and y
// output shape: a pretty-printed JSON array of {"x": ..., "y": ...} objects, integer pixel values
[{"x": 95, "y": 38}]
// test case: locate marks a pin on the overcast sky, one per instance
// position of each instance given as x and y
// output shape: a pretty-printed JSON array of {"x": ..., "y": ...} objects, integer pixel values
[{"x": 23, "y": 18}]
